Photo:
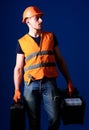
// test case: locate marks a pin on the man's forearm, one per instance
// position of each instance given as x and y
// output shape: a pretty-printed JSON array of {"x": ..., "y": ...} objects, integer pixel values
[
  {"x": 17, "y": 78},
  {"x": 64, "y": 70},
  {"x": 61, "y": 64}
]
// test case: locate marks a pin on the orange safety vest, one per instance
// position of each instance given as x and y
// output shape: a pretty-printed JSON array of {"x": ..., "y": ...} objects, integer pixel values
[{"x": 39, "y": 60}]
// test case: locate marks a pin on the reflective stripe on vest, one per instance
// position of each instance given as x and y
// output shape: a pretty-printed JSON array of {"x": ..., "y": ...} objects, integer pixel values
[
  {"x": 39, "y": 65},
  {"x": 38, "y": 53}
]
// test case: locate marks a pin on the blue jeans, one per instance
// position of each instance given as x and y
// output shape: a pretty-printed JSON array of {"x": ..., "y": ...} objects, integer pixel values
[{"x": 42, "y": 90}]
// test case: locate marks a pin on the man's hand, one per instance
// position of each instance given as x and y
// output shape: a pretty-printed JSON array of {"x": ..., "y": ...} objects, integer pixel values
[
  {"x": 70, "y": 88},
  {"x": 17, "y": 95}
]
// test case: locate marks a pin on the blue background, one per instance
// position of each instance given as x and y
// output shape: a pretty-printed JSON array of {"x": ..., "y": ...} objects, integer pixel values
[{"x": 69, "y": 20}]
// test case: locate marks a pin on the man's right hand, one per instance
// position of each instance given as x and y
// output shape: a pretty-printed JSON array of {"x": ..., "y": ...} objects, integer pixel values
[{"x": 17, "y": 95}]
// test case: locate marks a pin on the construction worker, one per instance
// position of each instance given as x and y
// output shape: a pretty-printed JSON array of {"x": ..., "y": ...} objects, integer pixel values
[{"x": 38, "y": 53}]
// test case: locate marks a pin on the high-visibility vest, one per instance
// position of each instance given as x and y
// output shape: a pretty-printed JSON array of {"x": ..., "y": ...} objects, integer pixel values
[{"x": 39, "y": 60}]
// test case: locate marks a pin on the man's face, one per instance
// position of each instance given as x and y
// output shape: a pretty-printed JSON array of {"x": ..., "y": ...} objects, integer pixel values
[{"x": 35, "y": 22}]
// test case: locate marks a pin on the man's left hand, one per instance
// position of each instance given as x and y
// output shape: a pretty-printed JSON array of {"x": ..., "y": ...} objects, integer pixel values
[{"x": 70, "y": 87}]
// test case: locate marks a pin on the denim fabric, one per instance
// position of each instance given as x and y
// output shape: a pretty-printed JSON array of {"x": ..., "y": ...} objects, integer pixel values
[{"x": 42, "y": 90}]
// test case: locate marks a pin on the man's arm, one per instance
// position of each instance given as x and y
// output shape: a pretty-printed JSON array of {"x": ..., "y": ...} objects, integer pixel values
[
  {"x": 63, "y": 68},
  {"x": 18, "y": 74}
]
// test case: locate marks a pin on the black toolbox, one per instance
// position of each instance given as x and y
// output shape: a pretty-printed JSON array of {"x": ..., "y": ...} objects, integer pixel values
[
  {"x": 72, "y": 108},
  {"x": 17, "y": 116}
]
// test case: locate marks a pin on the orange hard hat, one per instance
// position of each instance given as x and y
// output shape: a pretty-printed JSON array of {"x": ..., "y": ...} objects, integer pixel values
[{"x": 30, "y": 12}]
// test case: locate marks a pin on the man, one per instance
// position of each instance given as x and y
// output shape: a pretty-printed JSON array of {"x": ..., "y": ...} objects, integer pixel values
[{"x": 37, "y": 54}]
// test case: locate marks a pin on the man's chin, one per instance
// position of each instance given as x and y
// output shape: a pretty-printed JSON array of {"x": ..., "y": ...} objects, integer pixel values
[{"x": 39, "y": 29}]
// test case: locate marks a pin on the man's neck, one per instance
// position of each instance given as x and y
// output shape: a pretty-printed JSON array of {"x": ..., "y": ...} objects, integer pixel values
[{"x": 35, "y": 33}]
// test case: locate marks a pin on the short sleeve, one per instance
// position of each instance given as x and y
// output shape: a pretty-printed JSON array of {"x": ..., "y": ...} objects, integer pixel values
[
  {"x": 55, "y": 41},
  {"x": 18, "y": 49}
]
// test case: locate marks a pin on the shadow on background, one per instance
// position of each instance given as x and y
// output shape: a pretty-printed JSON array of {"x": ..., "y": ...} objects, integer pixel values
[{"x": 69, "y": 20}]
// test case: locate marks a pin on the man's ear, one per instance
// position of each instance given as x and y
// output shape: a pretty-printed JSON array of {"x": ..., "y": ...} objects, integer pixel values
[{"x": 27, "y": 21}]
